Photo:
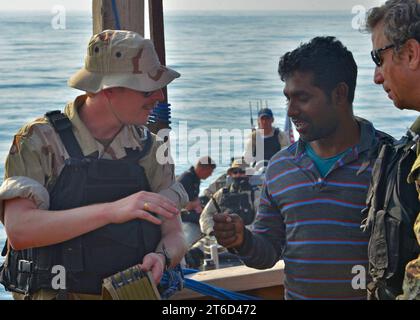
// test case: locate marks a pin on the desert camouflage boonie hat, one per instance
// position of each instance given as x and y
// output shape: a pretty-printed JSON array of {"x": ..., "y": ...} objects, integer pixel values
[
  {"x": 119, "y": 58},
  {"x": 237, "y": 164}
]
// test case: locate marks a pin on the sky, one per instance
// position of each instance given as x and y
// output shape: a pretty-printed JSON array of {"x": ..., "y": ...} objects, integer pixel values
[{"x": 194, "y": 5}]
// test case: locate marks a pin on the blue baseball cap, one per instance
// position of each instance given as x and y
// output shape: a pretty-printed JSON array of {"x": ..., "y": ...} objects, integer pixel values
[{"x": 265, "y": 112}]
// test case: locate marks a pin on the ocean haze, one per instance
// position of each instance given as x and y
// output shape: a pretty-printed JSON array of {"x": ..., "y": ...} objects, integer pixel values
[
  {"x": 193, "y": 5},
  {"x": 226, "y": 60}
]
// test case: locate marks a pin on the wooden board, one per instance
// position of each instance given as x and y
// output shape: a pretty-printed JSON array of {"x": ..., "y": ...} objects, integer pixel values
[
  {"x": 268, "y": 283},
  {"x": 130, "y": 14}
]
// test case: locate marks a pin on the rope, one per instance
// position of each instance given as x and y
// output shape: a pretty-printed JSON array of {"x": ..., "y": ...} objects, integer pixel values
[
  {"x": 171, "y": 282},
  {"x": 213, "y": 291},
  {"x": 216, "y": 292},
  {"x": 116, "y": 15},
  {"x": 174, "y": 280}
]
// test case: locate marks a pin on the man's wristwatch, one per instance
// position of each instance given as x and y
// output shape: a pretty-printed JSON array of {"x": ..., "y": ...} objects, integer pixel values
[{"x": 166, "y": 256}]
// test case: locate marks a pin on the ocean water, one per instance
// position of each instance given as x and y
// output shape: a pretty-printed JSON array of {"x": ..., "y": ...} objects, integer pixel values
[{"x": 226, "y": 60}]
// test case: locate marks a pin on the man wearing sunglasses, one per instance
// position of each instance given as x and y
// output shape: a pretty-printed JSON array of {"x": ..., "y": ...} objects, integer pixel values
[
  {"x": 239, "y": 197},
  {"x": 84, "y": 189},
  {"x": 395, "y": 28}
]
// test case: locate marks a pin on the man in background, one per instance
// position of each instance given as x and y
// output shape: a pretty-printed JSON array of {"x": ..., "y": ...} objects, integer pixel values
[
  {"x": 273, "y": 139},
  {"x": 239, "y": 197},
  {"x": 191, "y": 180}
]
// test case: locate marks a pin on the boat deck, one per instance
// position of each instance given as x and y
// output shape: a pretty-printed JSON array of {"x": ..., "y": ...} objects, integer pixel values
[{"x": 267, "y": 284}]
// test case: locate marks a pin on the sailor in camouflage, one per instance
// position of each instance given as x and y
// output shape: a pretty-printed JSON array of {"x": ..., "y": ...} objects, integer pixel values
[
  {"x": 85, "y": 189},
  {"x": 239, "y": 197}
]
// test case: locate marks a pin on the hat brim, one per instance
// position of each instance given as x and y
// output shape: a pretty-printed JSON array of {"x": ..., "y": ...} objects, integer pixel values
[
  {"x": 94, "y": 82},
  {"x": 265, "y": 115},
  {"x": 231, "y": 168}
]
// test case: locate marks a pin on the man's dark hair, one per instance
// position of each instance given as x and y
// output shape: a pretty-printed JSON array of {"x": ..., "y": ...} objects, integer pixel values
[
  {"x": 401, "y": 20},
  {"x": 327, "y": 59}
]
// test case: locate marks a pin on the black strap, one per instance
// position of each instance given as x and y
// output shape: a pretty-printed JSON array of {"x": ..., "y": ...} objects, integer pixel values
[
  {"x": 63, "y": 127},
  {"x": 254, "y": 142},
  {"x": 379, "y": 175},
  {"x": 216, "y": 205},
  {"x": 5, "y": 249},
  {"x": 253, "y": 198},
  {"x": 146, "y": 148}
]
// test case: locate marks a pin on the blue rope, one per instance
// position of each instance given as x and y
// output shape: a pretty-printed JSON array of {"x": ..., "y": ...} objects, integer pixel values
[
  {"x": 174, "y": 280},
  {"x": 116, "y": 15},
  {"x": 171, "y": 282},
  {"x": 216, "y": 292}
]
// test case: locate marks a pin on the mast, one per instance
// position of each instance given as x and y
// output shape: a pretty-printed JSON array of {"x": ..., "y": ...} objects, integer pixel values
[
  {"x": 157, "y": 33},
  {"x": 129, "y": 15}
]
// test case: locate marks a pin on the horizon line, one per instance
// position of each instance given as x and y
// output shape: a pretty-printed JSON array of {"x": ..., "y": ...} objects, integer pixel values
[{"x": 187, "y": 10}]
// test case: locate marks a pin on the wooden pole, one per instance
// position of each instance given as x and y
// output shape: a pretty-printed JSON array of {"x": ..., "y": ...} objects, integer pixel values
[
  {"x": 130, "y": 15},
  {"x": 157, "y": 32}
]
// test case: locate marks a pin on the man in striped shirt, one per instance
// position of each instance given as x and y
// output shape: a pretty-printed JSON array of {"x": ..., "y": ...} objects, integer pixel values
[{"x": 310, "y": 208}]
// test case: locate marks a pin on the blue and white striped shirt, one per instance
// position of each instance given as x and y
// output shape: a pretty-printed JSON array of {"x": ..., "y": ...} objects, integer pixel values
[{"x": 313, "y": 222}]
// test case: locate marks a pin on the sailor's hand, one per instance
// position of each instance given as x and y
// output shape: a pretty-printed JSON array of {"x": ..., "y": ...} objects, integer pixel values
[
  {"x": 140, "y": 206},
  {"x": 228, "y": 230},
  {"x": 155, "y": 263}
]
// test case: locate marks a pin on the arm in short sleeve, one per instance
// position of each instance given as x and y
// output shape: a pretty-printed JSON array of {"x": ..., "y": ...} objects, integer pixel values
[
  {"x": 161, "y": 175},
  {"x": 24, "y": 173}
]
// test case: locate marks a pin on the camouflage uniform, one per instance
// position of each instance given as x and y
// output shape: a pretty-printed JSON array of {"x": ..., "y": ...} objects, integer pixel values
[
  {"x": 220, "y": 182},
  {"x": 206, "y": 217},
  {"x": 37, "y": 157},
  {"x": 411, "y": 284}
]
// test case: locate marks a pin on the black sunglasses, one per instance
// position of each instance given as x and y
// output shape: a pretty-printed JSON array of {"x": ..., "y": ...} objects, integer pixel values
[
  {"x": 376, "y": 54},
  {"x": 148, "y": 94},
  {"x": 235, "y": 171}
]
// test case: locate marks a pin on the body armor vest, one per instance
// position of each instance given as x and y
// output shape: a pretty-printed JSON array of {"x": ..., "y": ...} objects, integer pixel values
[
  {"x": 239, "y": 202},
  {"x": 89, "y": 258},
  {"x": 392, "y": 207},
  {"x": 271, "y": 144}
]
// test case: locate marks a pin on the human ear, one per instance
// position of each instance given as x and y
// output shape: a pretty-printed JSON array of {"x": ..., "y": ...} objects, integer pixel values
[
  {"x": 340, "y": 93},
  {"x": 413, "y": 51}
]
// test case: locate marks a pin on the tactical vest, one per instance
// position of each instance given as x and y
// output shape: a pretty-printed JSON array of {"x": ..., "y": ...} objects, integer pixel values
[
  {"x": 89, "y": 258},
  {"x": 271, "y": 144},
  {"x": 239, "y": 202},
  {"x": 392, "y": 207}
]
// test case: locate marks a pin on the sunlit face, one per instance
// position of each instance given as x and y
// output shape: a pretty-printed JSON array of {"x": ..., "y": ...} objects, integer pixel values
[
  {"x": 393, "y": 72},
  {"x": 237, "y": 173},
  {"x": 205, "y": 172},
  {"x": 309, "y": 108},
  {"x": 132, "y": 107},
  {"x": 265, "y": 122}
]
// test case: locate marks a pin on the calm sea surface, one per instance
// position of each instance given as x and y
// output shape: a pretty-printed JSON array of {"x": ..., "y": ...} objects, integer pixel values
[{"x": 226, "y": 60}]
